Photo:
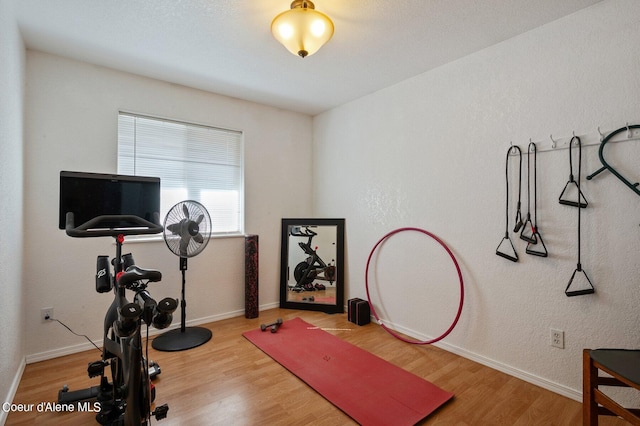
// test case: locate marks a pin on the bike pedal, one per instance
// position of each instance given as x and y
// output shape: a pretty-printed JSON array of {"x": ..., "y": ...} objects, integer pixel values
[
  {"x": 154, "y": 370},
  {"x": 160, "y": 412},
  {"x": 96, "y": 368}
]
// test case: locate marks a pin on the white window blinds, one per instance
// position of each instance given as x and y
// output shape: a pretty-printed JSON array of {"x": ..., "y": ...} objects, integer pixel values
[{"x": 193, "y": 162}]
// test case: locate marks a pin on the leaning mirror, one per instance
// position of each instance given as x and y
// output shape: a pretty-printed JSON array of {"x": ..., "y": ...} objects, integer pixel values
[{"x": 312, "y": 265}]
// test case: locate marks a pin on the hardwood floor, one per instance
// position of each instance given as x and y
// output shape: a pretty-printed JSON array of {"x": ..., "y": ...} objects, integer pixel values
[{"x": 228, "y": 381}]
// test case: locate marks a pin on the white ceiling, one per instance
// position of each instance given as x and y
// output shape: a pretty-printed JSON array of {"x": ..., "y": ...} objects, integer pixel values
[{"x": 226, "y": 47}]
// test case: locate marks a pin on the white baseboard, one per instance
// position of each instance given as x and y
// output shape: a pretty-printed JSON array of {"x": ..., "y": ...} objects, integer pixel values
[
  {"x": 515, "y": 372},
  {"x": 68, "y": 350},
  {"x": 13, "y": 389},
  {"x": 480, "y": 359}
]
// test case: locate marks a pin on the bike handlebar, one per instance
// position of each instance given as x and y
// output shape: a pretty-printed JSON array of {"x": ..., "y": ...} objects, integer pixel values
[
  {"x": 92, "y": 228},
  {"x": 297, "y": 232}
]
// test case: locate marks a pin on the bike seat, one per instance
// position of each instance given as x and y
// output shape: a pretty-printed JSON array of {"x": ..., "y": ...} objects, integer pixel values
[{"x": 135, "y": 273}]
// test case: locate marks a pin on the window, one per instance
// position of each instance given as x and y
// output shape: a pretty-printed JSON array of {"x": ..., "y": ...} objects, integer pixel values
[{"x": 193, "y": 162}]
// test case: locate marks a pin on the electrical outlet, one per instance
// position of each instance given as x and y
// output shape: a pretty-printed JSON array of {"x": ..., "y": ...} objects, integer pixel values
[
  {"x": 557, "y": 338},
  {"x": 46, "y": 314}
]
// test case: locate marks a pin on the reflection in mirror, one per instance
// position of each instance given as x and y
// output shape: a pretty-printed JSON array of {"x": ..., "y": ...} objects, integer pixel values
[
  {"x": 314, "y": 273},
  {"x": 311, "y": 268}
]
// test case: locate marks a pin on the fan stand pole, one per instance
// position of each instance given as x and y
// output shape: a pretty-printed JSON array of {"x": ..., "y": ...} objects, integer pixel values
[
  {"x": 183, "y": 302},
  {"x": 185, "y": 337}
]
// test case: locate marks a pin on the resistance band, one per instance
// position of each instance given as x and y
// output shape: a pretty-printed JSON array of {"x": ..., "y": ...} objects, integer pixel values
[
  {"x": 455, "y": 262},
  {"x": 501, "y": 251},
  {"x": 564, "y": 197},
  {"x": 587, "y": 289},
  {"x": 528, "y": 229},
  {"x": 532, "y": 248}
]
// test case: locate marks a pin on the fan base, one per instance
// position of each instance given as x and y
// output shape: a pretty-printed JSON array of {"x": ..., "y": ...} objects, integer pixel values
[{"x": 178, "y": 340}]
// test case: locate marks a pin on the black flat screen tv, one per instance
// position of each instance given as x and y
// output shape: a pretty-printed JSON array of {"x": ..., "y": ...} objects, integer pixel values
[{"x": 89, "y": 195}]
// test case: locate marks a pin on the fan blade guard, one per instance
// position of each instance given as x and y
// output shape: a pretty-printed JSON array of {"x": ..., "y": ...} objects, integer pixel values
[{"x": 185, "y": 237}]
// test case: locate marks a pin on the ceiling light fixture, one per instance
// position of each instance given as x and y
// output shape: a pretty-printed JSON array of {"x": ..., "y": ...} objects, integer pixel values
[{"x": 302, "y": 29}]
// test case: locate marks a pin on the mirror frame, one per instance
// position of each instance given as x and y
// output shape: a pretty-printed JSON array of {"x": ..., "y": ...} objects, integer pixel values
[{"x": 338, "y": 307}]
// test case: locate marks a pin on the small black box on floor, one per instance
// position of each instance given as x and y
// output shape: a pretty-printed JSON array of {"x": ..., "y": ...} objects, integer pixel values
[{"x": 358, "y": 311}]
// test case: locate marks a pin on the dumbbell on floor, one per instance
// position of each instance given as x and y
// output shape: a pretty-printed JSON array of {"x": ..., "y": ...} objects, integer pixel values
[{"x": 274, "y": 326}]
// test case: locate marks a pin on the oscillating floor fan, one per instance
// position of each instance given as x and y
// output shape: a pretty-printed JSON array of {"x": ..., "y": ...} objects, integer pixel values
[{"x": 187, "y": 228}]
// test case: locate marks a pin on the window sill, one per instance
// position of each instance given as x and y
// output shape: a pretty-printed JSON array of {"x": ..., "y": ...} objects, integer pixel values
[{"x": 159, "y": 238}]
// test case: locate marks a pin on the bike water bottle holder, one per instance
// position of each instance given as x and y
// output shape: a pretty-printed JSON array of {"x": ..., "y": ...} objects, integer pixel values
[{"x": 104, "y": 281}]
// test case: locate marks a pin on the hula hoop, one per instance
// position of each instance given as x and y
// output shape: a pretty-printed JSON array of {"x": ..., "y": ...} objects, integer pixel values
[{"x": 455, "y": 262}]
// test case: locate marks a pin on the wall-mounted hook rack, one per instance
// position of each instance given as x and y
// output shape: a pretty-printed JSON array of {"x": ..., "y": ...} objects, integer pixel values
[{"x": 588, "y": 140}]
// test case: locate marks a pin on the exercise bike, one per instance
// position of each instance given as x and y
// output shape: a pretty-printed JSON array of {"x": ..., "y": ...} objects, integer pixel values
[
  {"x": 313, "y": 267},
  {"x": 127, "y": 398}
]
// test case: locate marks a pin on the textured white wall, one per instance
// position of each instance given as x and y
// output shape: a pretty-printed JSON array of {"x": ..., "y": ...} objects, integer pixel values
[
  {"x": 71, "y": 124},
  {"x": 11, "y": 212},
  {"x": 429, "y": 152}
]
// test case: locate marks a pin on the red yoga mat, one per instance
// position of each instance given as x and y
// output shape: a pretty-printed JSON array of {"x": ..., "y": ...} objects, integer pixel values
[{"x": 370, "y": 390}]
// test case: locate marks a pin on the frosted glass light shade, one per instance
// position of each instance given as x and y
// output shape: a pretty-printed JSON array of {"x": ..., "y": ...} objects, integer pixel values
[{"x": 302, "y": 29}]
